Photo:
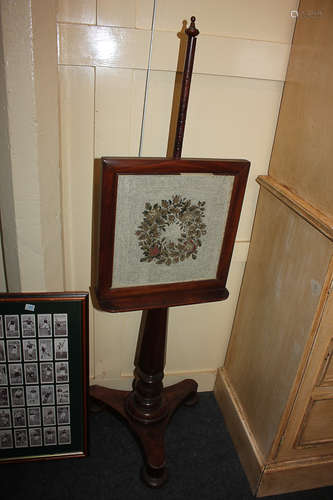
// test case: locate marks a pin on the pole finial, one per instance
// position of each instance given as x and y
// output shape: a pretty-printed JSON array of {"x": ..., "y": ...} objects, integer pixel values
[{"x": 192, "y": 30}]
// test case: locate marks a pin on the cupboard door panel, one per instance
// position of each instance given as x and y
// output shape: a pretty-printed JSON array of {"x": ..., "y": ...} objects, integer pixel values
[
  {"x": 309, "y": 429},
  {"x": 326, "y": 375},
  {"x": 318, "y": 423}
]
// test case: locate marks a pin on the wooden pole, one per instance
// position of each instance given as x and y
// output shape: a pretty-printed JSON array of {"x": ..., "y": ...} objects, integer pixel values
[{"x": 191, "y": 33}]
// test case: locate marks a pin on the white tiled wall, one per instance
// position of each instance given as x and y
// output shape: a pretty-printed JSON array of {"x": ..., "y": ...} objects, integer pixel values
[{"x": 104, "y": 68}]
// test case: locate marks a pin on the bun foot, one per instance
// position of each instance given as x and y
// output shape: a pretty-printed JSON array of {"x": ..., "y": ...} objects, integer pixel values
[
  {"x": 155, "y": 477},
  {"x": 192, "y": 400},
  {"x": 95, "y": 406}
]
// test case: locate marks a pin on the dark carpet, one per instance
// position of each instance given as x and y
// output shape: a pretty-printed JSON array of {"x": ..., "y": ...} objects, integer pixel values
[{"x": 202, "y": 464}]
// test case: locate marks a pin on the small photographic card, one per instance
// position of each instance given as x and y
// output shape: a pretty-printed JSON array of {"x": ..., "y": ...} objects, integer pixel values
[
  {"x": 50, "y": 436},
  {"x": 45, "y": 350},
  {"x": 46, "y": 373},
  {"x": 60, "y": 325},
  {"x": 34, "y": 418},
  {"x": 35, "y": 437},
  {"x": 5, "y": 418},
  {"x": 63, "y": 415},
  {"x": 32, "y": 394},
  {"x": 17, "y": 396},
  {"x": 31, "y": 373},
  {"x": 4, "y": 397},
  {"x": 28, "y": 325},
  {"x": 19, "y": 417},
  {"x": 6, "y": 440},
  {"x": 2, "y": 351},
  {"x": 62, "y": 372},
  {"x": 62, "y": 394},
  {"x": 44, "y": 325},
  {"x": 1, "y": 327},
  {"x": 21, "y": 438},
  {"x": 47, "y": 394},
  {"x": 3, "y": 375},
  {"x": 29, "y": 350},
  {"x": 12, "y": 326},
  {"x": 64, "y": 435},
  {"x": 15, "y": 374},
  {"x": 14, "y": 350},
  {"x": 61, "y": 349},
  {"x": 49, "y": 417}
]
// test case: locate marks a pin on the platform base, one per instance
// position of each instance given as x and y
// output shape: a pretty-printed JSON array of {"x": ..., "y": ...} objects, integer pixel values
[{"x": 151, "y": 435}]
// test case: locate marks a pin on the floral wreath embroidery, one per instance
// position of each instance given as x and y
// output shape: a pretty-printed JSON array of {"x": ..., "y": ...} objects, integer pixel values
[{"x": 171, "y": 232}]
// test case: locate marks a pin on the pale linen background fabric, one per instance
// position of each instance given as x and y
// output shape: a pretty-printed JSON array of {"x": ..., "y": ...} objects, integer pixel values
[{"x": 133, "y": 192}]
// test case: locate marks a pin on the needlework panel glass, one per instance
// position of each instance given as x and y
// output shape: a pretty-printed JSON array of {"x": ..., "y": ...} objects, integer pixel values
[{"x": 169, "y": 228}]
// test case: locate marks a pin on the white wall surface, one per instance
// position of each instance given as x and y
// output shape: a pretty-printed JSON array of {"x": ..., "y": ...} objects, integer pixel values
[
  {"x": 105, "y": 72},
  {"x": 29, "y": 148}
]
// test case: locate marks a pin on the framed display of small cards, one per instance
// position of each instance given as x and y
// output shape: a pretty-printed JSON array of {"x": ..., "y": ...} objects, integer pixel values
[
  {"x": 43, "y": 375},
  {"x": 167, "y": 228}
]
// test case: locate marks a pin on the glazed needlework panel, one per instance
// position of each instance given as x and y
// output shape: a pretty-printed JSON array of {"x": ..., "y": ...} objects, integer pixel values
[{"x": 169, "y": 228}]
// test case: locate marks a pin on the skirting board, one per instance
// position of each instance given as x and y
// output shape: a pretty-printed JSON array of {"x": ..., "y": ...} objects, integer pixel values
[
  {"x": 205, "y": 380},
  {"x": 286, "y": 477},
  {"x": 241, "y": 435},
  {"x": 267, "y": 478}
]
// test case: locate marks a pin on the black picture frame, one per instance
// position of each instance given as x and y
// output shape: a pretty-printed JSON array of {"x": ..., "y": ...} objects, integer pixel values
[{"x": 43, "y": 375}]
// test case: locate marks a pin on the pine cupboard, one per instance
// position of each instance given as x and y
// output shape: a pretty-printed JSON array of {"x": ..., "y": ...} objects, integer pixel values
[{"x": 276, "y": 386}]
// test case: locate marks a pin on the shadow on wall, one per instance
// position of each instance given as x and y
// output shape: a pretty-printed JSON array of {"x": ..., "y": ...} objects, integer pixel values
[{"x": 177, "y": 89}]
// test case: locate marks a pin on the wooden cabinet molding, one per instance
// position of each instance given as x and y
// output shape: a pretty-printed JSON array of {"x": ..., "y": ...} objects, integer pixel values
[
  {"x": 326, "y": 373},
  {"x": 315, "y": 217}
]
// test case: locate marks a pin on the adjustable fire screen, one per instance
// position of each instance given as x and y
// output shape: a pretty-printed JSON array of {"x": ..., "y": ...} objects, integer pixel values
[
  {"x": 167, "y": 230},
  {"x": 43, "y": 375}
]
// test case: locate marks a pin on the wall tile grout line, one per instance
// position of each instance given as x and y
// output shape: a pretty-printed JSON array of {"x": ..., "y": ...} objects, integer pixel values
[
  {"x": 147, "y": 79},
  {"x": 224, "y": 75},
  {"x": 203, "y": 34}
]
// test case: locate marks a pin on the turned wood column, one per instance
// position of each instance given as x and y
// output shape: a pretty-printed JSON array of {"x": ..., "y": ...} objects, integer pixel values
[{"x": 147, "y": 403}]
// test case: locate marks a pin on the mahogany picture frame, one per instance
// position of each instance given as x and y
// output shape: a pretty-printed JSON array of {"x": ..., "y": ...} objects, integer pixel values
[{"x": 129, "y": 298}]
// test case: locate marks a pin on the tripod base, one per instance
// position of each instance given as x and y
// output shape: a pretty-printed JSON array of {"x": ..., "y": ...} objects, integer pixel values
[{"x": 151, "y": 434}]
